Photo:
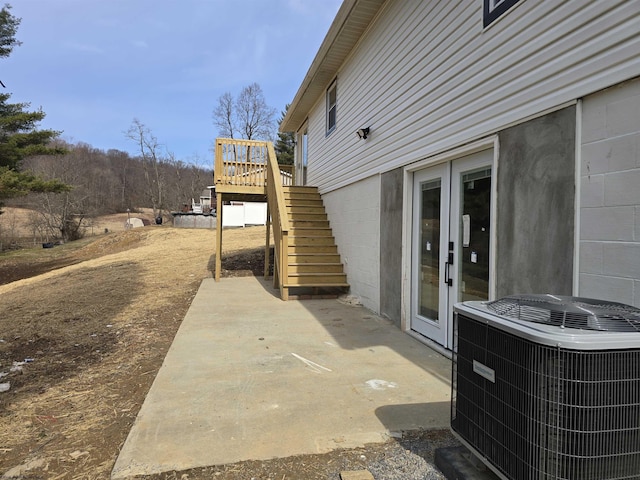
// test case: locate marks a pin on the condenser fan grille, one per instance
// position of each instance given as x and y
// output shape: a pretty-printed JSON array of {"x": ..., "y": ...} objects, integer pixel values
[{"x": 569, "y": 312}]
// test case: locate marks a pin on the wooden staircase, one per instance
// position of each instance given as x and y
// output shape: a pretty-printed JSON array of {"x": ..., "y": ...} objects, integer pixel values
[
  {"x": 305, "y": 256},
  {"x": 313, "y": 262}
]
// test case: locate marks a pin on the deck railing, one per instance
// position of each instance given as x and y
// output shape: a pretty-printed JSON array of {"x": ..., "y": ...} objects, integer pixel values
[{"x": 243, "y": 163}]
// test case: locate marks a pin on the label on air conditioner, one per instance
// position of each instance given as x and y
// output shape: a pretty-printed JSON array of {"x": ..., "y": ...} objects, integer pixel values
[{"x": 484, "y": 371}]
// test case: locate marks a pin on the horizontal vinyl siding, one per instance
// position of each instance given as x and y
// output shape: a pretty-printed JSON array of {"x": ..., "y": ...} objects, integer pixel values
[{"x": 426, "y": 77}]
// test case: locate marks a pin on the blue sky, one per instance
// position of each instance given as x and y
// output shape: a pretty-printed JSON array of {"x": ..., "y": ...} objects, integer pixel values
[{"x": 95, "y": 65}]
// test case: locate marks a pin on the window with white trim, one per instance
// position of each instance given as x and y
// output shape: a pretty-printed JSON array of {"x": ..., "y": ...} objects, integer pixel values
[{"x": 332, "y": 101}]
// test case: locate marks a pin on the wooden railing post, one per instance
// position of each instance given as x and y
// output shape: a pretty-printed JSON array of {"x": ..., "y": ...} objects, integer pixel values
[{"x": 218, "y": 168}]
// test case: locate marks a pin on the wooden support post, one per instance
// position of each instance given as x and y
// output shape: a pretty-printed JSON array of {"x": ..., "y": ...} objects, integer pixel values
[
  {"x": 266, "y": 248},
  {"x": 218, "y": 237},
  {"x": 276, "y": 278},
  {"x": 277, "y": 265},
  {"x": 284, "y": 265}
]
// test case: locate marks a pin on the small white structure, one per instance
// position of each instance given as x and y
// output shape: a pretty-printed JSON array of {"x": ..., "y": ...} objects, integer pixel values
[
  {"x": 242, "y": 214},
  {"x": 196, "y": 207},
  {"x": 133, "y": 222},
  {"x": 205, "y": 198}
]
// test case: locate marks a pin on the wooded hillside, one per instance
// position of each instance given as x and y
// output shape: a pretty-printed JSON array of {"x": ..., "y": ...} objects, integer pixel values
[
  {"x": 106, "y": 182},
  {"x": 112, "y": 181}
]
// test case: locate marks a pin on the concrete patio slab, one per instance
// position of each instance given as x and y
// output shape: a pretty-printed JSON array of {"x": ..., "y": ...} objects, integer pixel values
[{"x": 250, "y": 377}]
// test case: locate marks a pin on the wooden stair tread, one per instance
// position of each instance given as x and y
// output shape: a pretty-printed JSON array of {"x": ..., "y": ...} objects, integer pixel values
[
  {"x": 312, "y": 242},
  {"x": 319, "y": 233},
  {"x": 317, "y": 274},
  {"x": 307, "y": 279},
  {"x": 310, "y": 236},
  {"x": 310, "y": 227},
  {"x": 312, "y": 254},
  {"x": 320, "y": 212},
  {"x": 296, "y": 264}
]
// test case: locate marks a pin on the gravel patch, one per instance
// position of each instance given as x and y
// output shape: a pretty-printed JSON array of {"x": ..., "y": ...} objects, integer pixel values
[
  {"x": 408, "y": 458},
  {"x": 412, "y": 457}
]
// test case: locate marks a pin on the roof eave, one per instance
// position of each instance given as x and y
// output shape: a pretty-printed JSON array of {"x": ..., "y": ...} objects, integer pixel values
[{"x": 350, "y": 23}]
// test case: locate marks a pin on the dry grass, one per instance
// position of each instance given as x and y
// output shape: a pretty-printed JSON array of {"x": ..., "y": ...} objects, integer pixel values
[{"x": 97, "y": 330}]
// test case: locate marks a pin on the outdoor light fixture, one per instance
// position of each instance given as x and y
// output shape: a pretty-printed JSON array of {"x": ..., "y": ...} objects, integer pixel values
[{"x": 362, "y": 133}]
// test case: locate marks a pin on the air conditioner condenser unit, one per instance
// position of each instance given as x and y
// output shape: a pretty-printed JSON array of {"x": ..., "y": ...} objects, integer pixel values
[{"x": 548, "y": 387}]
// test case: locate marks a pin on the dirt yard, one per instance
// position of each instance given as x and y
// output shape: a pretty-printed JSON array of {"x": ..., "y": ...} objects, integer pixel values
[{"x": 84, "y": 328}]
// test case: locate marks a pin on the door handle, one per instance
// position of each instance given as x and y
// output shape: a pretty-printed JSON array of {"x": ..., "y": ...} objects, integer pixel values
[{"x": 447, "y": 279}]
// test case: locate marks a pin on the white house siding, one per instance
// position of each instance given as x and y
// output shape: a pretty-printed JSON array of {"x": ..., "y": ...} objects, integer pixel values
[
  {"x": 610, "y": 195},
  {"x": 427, "y": 77},
  {"x": 355, "y": 220}
]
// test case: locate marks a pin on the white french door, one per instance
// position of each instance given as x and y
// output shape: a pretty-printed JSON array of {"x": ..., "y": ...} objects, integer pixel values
[{"x": 451, "y": 235}]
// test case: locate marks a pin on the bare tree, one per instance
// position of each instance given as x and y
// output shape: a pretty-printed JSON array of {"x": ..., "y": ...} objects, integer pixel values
[
  {"x": 256, "y": 118},
  {"x": 224, "y": 117},
  {"x": 8, "y": 230},
  {"x": 62, "y": 216},
  {"x": 151, "y": 163},
  {"x": 120, "y": 164},
  {"x": 249, "y": 115}
]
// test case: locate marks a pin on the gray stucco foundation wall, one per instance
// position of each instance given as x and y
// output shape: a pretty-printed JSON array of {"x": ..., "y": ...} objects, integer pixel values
[
  {"x": 536, "y": 206},
  {"x": 391, "y": 245}
]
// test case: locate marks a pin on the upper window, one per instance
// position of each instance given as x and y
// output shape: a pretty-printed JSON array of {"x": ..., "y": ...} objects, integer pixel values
[
  {"x": 493, "y": 9},
  {"x": 332, "y": 97}
]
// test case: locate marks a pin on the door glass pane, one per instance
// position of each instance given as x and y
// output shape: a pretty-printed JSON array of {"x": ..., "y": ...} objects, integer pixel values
[
  {"x": 473, "y": 267},
  {"x": 429, "y": 280}
]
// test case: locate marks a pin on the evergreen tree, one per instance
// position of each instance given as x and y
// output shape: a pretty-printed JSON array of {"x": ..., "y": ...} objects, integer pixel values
[
  {"x": 16, "y": 184},
  {"x": 8, "y": 28},
  {"x": 285, "y": 145},
  {"x": 19, "y": 136}
]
